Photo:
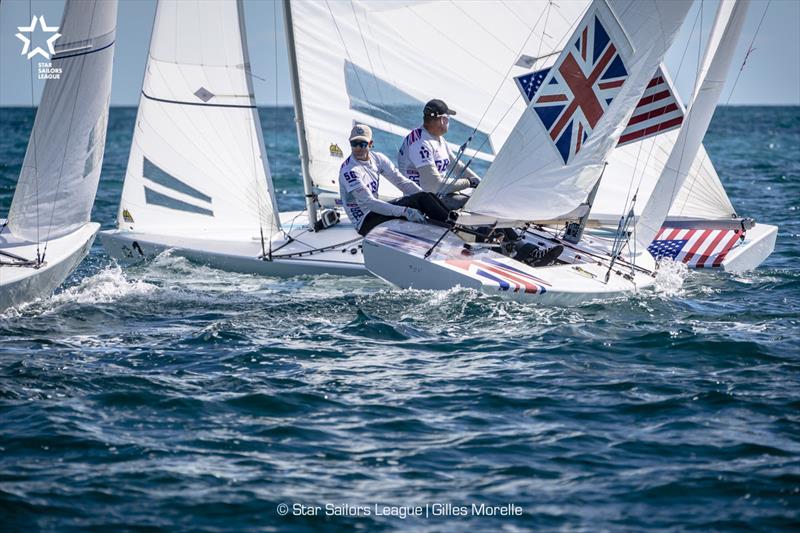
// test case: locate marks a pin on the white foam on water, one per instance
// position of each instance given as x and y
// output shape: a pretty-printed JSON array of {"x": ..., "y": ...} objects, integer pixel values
[
  {"x": 670, "y": 278},
  {"x": 108, "y": 285}
]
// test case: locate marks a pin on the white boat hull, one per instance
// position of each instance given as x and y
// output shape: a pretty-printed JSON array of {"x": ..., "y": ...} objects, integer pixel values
[
  {"x": 243, "y": 253},
  {"x": 335, "y": 250},
  {"x": 22, "y": 284},
  {"x": 396, "y": 252}
]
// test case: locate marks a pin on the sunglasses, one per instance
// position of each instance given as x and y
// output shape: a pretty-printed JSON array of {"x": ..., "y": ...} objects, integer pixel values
[{"x": 359, "y": 144}]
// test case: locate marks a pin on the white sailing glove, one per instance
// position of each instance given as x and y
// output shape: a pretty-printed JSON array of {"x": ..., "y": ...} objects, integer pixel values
[{"x": 414, "y": 215}]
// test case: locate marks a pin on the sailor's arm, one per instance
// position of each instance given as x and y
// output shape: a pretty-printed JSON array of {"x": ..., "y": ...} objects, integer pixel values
[
  {"x": 462, "y": 171},
  {"x": 432, "y": 180}
]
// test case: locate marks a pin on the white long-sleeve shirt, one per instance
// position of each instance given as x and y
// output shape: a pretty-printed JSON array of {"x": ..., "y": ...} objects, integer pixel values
[
  {"x": 358, "y": 187},
  {"x": 425, "y": 159}
]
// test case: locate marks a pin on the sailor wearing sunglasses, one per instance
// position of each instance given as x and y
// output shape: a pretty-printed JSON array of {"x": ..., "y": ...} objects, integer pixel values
[
  {"x": 426, "y": 158},
  {"x": 359, "y": 177}
]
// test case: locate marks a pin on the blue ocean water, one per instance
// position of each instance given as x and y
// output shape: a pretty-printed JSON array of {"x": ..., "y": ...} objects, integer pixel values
[{"x": 176, "y": 397}]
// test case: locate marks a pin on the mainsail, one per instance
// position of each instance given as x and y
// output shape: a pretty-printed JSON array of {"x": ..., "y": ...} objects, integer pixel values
[
  {"x": 61, "y": 170},
  {"x": 198, "y": 161},
  {"x": 378, "y": 61},
  {"x": 556, "y": 152},
  {"x": 717, "y": 59}
]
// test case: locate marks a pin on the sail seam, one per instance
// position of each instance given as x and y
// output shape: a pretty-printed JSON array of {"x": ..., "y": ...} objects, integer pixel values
[{"x": 180, "y": 102}]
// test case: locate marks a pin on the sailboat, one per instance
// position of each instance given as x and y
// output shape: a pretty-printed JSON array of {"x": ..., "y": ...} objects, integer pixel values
[
  {"x": 369, "y": 79},
  {"x": 497, "y": 58},
  {"x": 551, "y": 167},
  {"x": 198, "y": 180},
  {"x": 48, "y": 232}
]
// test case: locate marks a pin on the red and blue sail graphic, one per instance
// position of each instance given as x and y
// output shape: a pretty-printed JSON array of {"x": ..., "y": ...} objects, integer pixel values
[
  {"x": 658, "y": 109},
  {"x": 505, "y": 276},
  {"x": 581, "y": 86},
  {"x": 698, "y": 248}
]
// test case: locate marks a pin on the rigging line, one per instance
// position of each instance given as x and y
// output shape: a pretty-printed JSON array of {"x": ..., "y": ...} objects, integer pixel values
[
  {"x": 274, "y": 125},
  {"x": 688, "y": 42},
  {"x": 481, "y": 26},
  {"x": 369, "y": 58},
  {"x": 251, "y": 126},
  {"x": 66, "y": 142},
  {"x": 723, "y": 199},
  {"x": 680, "y": 65},
  {"x": 453, "y": 73},
  {"x": 697, "y": 83},
  {"x": 346, "y": 51},
  {"x": 510, "y": 107},
  {"x": 35, "y": 154},
  {"x": 546, "y": 14},
  {"x": 750, "y": 49},
  {"x": 627, "y": 207}
]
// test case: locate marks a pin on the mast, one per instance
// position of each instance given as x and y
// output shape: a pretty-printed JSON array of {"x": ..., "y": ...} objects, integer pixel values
[{"x": 308, "y": 185}]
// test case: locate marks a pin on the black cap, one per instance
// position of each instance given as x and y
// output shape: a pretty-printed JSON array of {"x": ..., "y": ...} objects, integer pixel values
[{"x": 436, "y": 108}]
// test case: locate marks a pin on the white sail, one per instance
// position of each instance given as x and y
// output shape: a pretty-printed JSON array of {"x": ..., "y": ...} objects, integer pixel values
[
  {"x": 197, "y": 163},
  {"x": 556, "y": 152},
  {"x": 58, "y": 181},
  {"x": 377, "y": 62},
  {"x": 719, "y": 54}
]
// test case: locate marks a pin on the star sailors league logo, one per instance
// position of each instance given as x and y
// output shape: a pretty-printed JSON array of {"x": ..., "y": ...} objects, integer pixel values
[
  {"x": 580, "y": 86},
  {"x": 26, "y": 40}
]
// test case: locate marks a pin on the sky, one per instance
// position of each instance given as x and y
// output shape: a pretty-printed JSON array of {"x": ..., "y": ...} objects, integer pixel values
[{"x": 771, "y": 75}]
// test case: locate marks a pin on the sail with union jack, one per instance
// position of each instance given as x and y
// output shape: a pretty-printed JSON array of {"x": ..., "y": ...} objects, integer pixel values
[
  {"x": 580, "y": 87},
  {"x": 657, "y": 111}
]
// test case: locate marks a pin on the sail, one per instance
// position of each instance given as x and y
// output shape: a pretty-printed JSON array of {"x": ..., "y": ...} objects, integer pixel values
[
  {"x": 58, "y": 181},
  {"x": 636, "y": 164},
  {"x": 377, "y": 62},
  {"x": 556, "y": 152},
  {"x": 719, "y": 54},
  {"x": 198, "y": 162}
]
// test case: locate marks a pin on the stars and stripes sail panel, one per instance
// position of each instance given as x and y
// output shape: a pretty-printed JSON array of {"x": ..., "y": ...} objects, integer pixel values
[
  {"x": 580, "y": 87},
  {"x": 697, "y": 247},
  {"x": 657, "y": 111}
]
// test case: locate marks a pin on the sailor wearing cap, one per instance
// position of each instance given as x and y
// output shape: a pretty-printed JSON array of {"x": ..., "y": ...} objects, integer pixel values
[
  {"x": 425, "y": 157},
  {"x": 359, "y": 177}
]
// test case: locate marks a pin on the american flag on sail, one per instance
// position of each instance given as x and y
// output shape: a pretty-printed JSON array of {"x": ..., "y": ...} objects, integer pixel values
[
  {"x": 657, "y": 111},
  {"x": 582, "y": 84},
  {"x": 698, "y": 248},
  {"x": 506, "y": 277}
]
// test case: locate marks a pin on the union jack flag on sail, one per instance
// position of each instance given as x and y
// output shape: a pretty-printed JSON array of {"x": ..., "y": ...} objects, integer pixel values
[
  {"x": 658, "y": 110},
  {"x": 581, "y": 86}
]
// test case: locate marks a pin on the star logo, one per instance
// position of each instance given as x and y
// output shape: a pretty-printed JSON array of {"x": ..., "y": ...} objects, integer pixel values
[{"x": 26, "y": 41}]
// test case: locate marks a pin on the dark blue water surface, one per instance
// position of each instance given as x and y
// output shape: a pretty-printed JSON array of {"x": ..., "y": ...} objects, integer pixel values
[{"x": 177, "y": 397}]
